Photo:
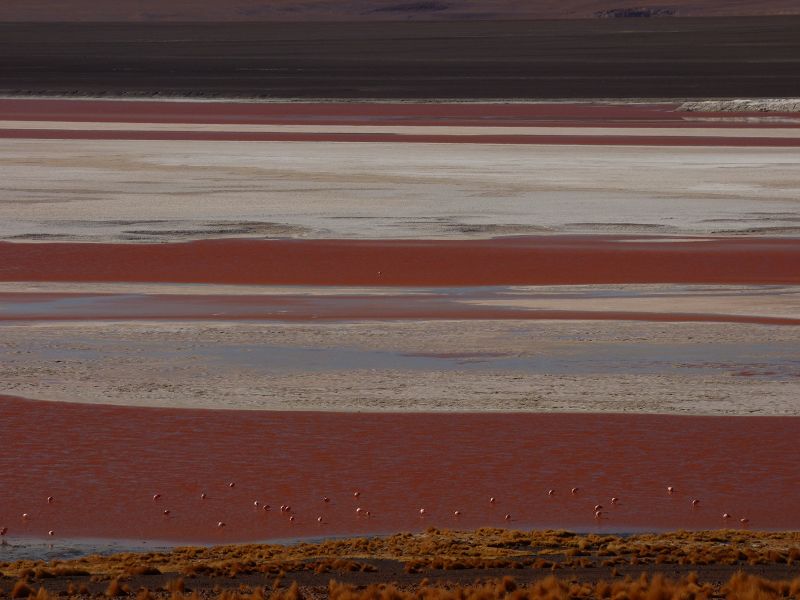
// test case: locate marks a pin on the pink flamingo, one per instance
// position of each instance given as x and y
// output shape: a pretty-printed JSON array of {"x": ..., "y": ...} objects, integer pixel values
[
  {"x": 156, "y": 497},
  {"x": 26, "y": 516},
  {"x": 50, "y": 499},
  {"x": 421, "y": 512},
  {"x": 598, "y": 507},
  {"x": 319, "y": 519},
  {"x": 550, "y": 492},
  {"x": 670, "y": 489},
  {"x": 726, "y": 516},
  {"x": 598, "y": 514},
  {"x": 166, "y": 512},
  {"x": 744, "y": 520},
  {"x": 356, "y": 494},
  {"x": 326, "y": 499},
  {"x": 507, "y": 517},
  {"x": 492, "y": 500},
  {"x": 203, "y": 496},
  {"x": 232, "y": 484},
  {"x": 614, "y": 500},
  {"x": 220, "y": 524},
  {"x": 695, "y": 502},
  {"x": 291, "y": 519},
  {"x": 574, "y": 490},
  {"x": 51, "y": 533}
]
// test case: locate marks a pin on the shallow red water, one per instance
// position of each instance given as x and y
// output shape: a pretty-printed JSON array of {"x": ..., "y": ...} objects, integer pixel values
[
  {"x": 103, "y": 464},
  {"x": 432, "y": 138},
  {"x": 327, "y": 112},
  {"x": 535, "y": 260},
  {"x": 337, "y": 113}
]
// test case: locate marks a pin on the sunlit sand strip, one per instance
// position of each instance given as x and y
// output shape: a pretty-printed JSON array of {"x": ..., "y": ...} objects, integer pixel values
[
  {"x": 777, "y": 306},
  {"x": 785, "y": 132}
]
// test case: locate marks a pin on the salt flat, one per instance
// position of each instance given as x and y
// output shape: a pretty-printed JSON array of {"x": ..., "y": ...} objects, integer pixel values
[
  {"x": 123, "y": 190},
  {"x": 541, "y": 366}
]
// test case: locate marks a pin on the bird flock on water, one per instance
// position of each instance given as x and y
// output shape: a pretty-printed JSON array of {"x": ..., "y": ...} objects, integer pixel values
[{"x": 285, "y": 509}]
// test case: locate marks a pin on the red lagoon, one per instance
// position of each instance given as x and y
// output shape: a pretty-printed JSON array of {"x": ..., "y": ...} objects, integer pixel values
[
  {"x": 535, "y": 260},
  {"x": 562, "y": 114},
  {"x": 103, "y": 465},
  {"x": 243, "y": 136}
]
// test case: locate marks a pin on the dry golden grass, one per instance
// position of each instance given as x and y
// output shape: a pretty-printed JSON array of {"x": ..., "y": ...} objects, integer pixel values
[
  {"x": 437, "y": 549},
  {"x": 657, "y": 587}
]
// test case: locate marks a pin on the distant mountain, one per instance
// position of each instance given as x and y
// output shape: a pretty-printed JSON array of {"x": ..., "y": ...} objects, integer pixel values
[{"x": 383, "y": 10}]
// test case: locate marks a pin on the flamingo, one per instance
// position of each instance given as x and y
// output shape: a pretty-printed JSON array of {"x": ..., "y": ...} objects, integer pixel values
[
  {"x": 614, "y": 500},
  {"x": 356, "y": 494},
  {"x": 421, "y": 512},
  {"x": 744, "y": 520},
  {"x": 319, "y": 519},
  {"x": 26, "y": 516},
  {"x": 326, "y": 499},
  {"x": 50, "y": 499},
  {"x": 726, "y": 516},
  {"x": 550, "y": 492},
  {"x": 670, "y": 489},
  {"x": 51, "y": 533},
  {"x": 359, "y": 510},
  {"x": 3, "y": 530},
  {"x": 291, "y": 519},
  {"x": 492, "y": 500},
  {"x": 203, "y": 496},
  {"x": 598, "y": 514},
  {"x": 457, "y": 513},
  {"x": 367, "y": 514},
  {"x": 156, "y": 497},
  {"x": 574, "y": 490},
  {"x": 695, "y": 502},
  {"x": 266, "y": 507},
  {"x": 507, "y": 517},
  {"x": 256, "y": 503},
  {"x": 166, "y": 512},
  {"x": 598, "y": 507},
  {"x": 232, "y": 484},
  {"x": 220, "y": 524}
]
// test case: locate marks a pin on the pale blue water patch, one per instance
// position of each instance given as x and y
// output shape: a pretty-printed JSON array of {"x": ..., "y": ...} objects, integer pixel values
[
  {"x": 35, "y": 549},
  {"x": 130, "y": 305},
  {"x": 777, "y": 360}
]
